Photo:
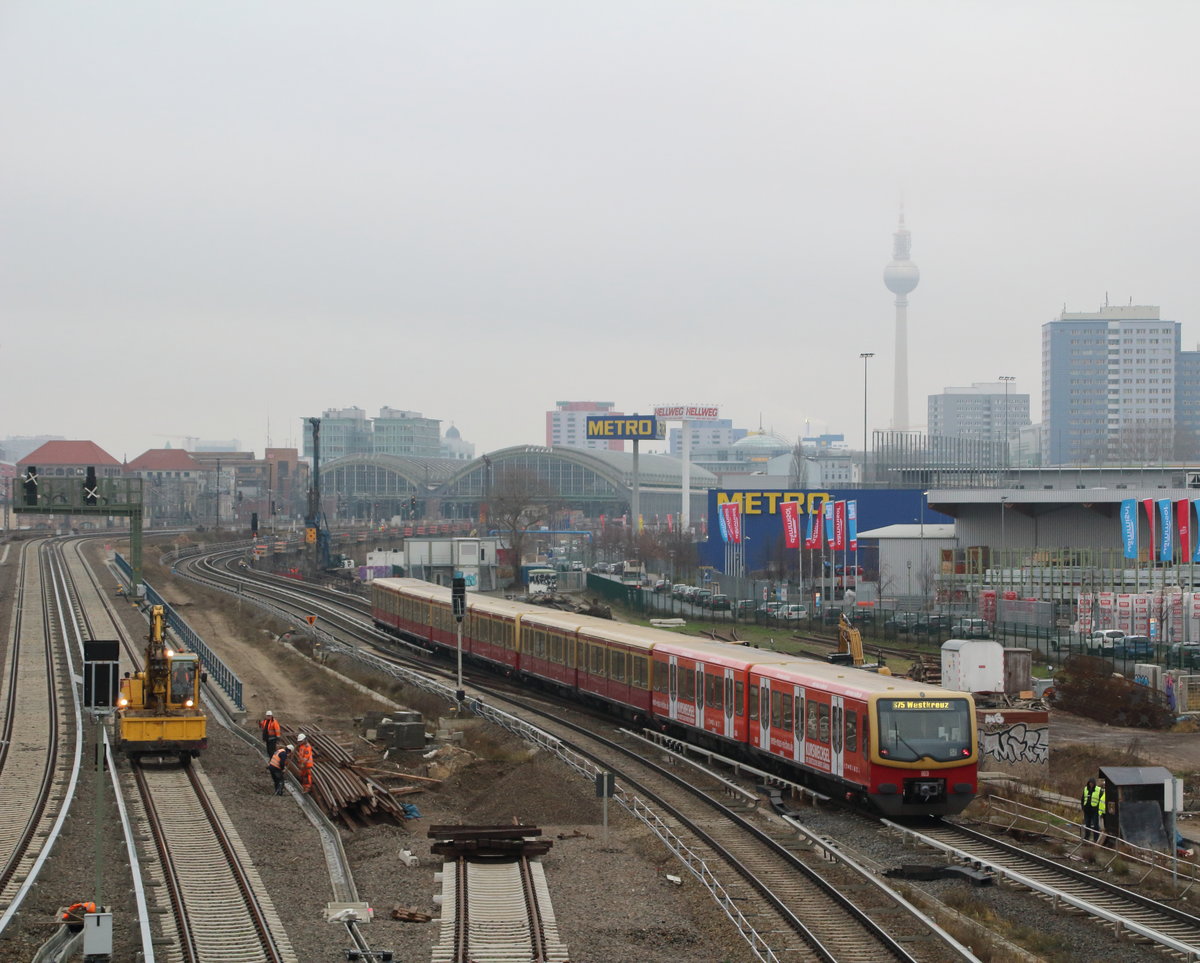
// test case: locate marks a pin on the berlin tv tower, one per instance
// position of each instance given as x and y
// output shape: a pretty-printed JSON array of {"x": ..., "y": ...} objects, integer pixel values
[{"x": 901, "y": 276}]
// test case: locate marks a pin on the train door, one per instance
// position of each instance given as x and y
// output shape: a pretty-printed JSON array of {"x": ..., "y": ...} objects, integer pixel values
[
  {"x": 798, "y": 723},
  {"x": 730, "y": 708},
  {"x": 762, "y": 738},
  {"x": 673, "y": 688},
  {"x": 837, "y": 729}
]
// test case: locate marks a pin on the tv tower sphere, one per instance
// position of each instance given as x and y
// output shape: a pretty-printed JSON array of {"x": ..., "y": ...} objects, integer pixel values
[{"x": 901, "y": 275}]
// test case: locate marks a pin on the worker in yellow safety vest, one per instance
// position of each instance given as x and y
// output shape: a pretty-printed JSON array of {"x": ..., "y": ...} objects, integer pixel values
[{"x": 1093, "y": 808}]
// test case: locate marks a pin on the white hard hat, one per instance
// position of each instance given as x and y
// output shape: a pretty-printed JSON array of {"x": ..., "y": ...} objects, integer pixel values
[
  {"x": 290, "y": 747},
  {"x": 301, "y": 737},
  {"x": 270, "y": 713}
]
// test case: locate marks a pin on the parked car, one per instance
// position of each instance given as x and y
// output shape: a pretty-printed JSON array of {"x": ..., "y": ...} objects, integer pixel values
[
  {"x": 662, "y": 586},
  {"x": 718, "y": 603},
  {"x": 601, "y": 567},
  {"x": 792, "y": 613},
  {"x": 901, "y": 622},
  {"x": 1184, "y": 655},
  {"x": 931, "y": 625},
  {"x": 1102, "y": 642},
  {"x": 970, "y": 629},
  {"x": 743, "y": 608},
  {"x": 700, "y": 597},
  {"x": 1133, "y": 647}
]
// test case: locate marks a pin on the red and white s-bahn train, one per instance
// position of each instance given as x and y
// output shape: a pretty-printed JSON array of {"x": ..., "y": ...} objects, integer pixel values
[{"x": 908, "y": 749}]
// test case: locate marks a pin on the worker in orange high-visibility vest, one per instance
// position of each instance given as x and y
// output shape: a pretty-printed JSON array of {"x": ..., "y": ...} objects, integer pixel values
[
  {"x": 270, "y": 731},
  {"x": 73, "y": 917},
  {"x": 304, "y": 761},
  {"x": 278, "y": 765}
]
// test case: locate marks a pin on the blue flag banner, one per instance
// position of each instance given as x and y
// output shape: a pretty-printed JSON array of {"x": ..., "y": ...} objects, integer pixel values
[
  {"x": 829, "y": 523},
  {"x": 1166, "y": 548},
  {"x": 1129, "y": 527},
  {"x": 852, "y": 525}
]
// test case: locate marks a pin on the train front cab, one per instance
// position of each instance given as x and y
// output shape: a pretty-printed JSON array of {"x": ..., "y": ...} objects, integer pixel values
[{"x": 924, "y": 752}]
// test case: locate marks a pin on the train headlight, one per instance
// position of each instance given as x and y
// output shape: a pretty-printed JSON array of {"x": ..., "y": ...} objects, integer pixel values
[
  {"x": 189, "y": 703},
  {"x": 122, "y": 702},
  {"x": 170, "y": 652}
]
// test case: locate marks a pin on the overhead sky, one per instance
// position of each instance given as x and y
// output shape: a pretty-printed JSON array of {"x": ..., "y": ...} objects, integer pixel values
[{"x": 218, "y": 217}]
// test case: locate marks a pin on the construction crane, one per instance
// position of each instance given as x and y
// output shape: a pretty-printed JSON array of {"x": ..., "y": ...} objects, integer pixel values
[
  {"x": 189, "y": 441},
  {"x": 316, "y": 531}
]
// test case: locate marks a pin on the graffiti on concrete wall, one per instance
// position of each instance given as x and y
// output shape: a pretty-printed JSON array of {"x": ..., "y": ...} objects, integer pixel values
[{"x": 1015, "y": 742}]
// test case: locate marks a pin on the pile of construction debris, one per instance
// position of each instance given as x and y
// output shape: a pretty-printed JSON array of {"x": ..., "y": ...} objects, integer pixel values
[
  {"x": 566, "y": 603},
  {"x": 352, "y": 790}
]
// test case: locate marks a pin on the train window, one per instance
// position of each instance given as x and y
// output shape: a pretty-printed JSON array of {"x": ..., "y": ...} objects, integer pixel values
[
  {"x": 539, "y": 644},
  {"x": 776, "y": 710},
  {"x": 571, "y": 653},
  {"x": 687, "y": 685},
  {"x": 619, "y": 668},
  {"x": 729, "y": 703},
  {"x": 837, "y": 729},
  {"x": 753, "y": 703},
  {"x": 556, "y": 649},
  {"x": 659, "y": 676},
  {"x": 852, "y": 732},
  {"x": 866, "y": 733},
  {"x": 763, "y": 699},
  {"x": 674, "y": 681},
  {"x": 813, "y": 727},
  {"x": 597, "y": 659},
  {"x": 787, "y": 712},
  {"x": 823, "y": 725},
  {"x": 699, "y": 686},
  {"x": 640, "y": 671},
  {"x": 716, "y": 690}
]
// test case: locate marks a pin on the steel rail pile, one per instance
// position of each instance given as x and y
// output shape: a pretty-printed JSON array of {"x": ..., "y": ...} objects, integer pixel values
[{"x": 339, "y": 785}]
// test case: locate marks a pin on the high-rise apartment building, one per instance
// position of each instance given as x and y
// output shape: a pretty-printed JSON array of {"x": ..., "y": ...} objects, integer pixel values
[
  {"x": 1109, "y": 386},
  {"x": 706, "y": 435},
  {"x": 567, "y": 424},
  {"x": 984, "y": 410}
]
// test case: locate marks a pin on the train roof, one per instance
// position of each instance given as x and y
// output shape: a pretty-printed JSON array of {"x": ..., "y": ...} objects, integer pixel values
[
  {"x": 847, "y": 680},
  {"x": 724, "y": 653}
]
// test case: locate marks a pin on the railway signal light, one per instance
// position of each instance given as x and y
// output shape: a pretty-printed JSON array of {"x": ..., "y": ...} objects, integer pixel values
[
  {"x": 31, "y": 485},
  {"x": 89, "y": 486}
]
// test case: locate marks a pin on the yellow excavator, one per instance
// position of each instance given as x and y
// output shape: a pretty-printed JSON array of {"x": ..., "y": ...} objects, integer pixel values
[
  {"x": 158, "y": 712},
  {"x": 850, "y": 649}
]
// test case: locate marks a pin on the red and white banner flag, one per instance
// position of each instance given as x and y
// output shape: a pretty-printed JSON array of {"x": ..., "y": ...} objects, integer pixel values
[
  {"x": 839, "y": 527},
  {"x": 813, "y": 538},
  {"x": 732, "y": 514},
  {"x": 790, "y": 513},
  {"x": 1183, "y": 512}
]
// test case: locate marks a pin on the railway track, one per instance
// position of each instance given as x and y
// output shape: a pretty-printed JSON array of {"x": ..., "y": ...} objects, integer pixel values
[
  {"x": 497, "y": 911},
  {"x": 36, "y": 739},
  {"x": 1130, "y": 913},
  {"x": 221, "y": 911}
]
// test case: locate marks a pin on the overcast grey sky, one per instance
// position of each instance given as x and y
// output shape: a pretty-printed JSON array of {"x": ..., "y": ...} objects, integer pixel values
[{"x": 219, "y": 215}]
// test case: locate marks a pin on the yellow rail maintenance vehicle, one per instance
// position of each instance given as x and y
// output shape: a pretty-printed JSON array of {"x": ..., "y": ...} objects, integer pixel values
[{"x": 158, "y": 712}]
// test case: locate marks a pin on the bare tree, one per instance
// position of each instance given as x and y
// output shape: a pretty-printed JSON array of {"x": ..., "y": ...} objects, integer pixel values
[{"x": 519, "y": 501}]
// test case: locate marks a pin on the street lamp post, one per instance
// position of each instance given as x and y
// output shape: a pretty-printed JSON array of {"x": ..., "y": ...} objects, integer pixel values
[
  {"x": 1003, "y": 538},
  {"x": 1007, "y": 379},
  {"x": 865, "y": 356}
]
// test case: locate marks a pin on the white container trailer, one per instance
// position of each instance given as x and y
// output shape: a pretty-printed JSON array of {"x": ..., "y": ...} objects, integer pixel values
[{"x": 973, "y": 665}]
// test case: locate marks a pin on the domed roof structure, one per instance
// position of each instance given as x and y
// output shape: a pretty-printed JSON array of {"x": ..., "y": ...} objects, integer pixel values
[{"x": 452, "y": 432}]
